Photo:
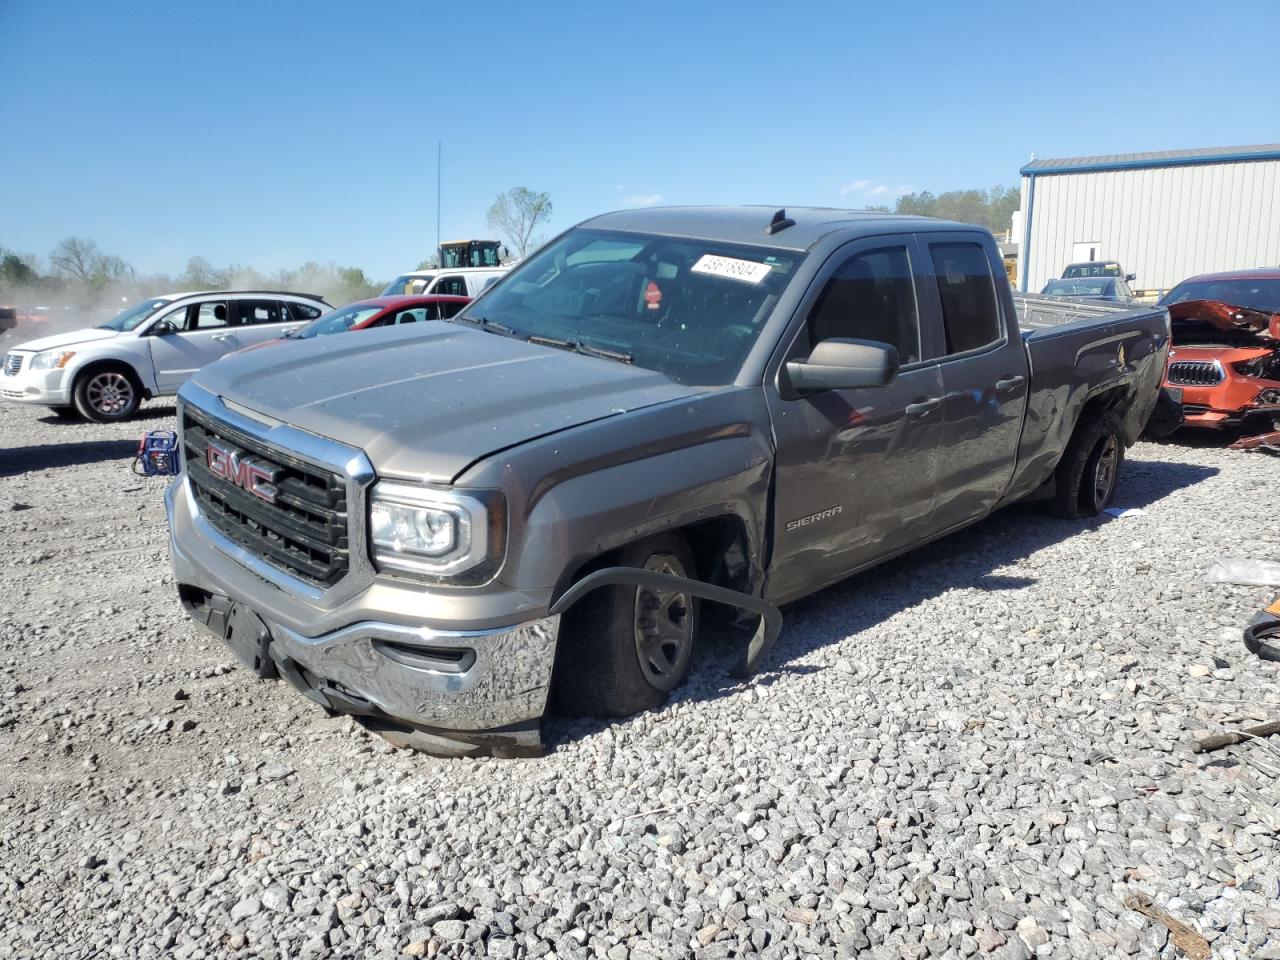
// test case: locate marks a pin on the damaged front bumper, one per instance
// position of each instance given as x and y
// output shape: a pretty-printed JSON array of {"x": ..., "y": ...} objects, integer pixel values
[{"x": 443, "y": 690}]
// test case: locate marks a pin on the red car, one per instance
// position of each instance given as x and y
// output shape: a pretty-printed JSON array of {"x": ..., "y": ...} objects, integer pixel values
[
  {"x": 1226, "y": 349},
  {"x": 374, "y": 312}
]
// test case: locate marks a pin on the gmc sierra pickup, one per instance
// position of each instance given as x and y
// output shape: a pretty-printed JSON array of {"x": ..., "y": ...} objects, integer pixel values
[{"x": 438, "y": 528}]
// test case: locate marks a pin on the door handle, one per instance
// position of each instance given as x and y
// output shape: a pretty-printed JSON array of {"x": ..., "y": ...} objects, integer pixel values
[
  {"x": 221, "y": 336},
  {"x": 922, "y": 408},
  {"x": 1010, "y": 383}
]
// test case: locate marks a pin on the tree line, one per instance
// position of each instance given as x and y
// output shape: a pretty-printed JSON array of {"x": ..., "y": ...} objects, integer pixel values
[
  {"x": 993, "y": 209},
  {"x": 78, "y": 274}
]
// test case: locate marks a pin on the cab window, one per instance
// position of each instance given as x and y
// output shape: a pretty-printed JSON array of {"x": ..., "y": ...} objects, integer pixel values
[
  {"x": 453, "y": 286},
  {"x": 871, "y": 296},
  {"x": 967, "y": 292}
]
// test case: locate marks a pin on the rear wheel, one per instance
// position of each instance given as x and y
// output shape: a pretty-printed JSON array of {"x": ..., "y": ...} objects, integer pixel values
[
  {"x": 623, "y": 649},
  {"x": 1085, "y": 480},
  {"x": 108, "y": 394}
]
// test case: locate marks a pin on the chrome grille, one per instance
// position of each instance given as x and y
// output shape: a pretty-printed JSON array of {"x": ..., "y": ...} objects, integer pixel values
[
  {"x": 1196, "y": 373},
  {"x": 304, "y": 532},
  {"x": 12, "y": 364}
]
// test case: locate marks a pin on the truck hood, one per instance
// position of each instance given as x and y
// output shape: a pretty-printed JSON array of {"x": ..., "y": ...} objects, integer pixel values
[
  {"x": 426, "y": 403},
  {"x": 87, "y": 335}
]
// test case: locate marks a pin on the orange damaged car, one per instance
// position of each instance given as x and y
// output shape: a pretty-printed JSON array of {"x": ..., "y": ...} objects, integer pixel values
[{"x": 1226, "y": 349}]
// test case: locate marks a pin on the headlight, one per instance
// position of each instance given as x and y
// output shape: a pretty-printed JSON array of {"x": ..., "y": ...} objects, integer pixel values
[
  {"x": 51, "y": 359},
  {"x": 435, "y": 533}
]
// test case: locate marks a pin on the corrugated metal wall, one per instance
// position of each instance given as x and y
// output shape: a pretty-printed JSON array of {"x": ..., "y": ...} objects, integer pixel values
[{"x": 1162, "y": 223}]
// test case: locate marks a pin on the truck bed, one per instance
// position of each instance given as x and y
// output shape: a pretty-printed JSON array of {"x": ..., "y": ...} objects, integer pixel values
[
  {"x": 1039, "y": 317},
  {"x": 1075, "y": 349}
]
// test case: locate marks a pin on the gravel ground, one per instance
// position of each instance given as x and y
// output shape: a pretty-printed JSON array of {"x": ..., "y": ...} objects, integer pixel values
[{"x": 978, "y": 750}]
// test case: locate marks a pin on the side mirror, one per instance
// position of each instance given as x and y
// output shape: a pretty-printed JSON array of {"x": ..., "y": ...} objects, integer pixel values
[
  {"x": 165, "y": 328},
  {"x": 1131, "y": 277},
  {"x": 839, "y": 364}
]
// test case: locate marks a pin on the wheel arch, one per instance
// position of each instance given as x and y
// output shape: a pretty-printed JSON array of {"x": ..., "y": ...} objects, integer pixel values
[{"x": 100, "y": 364}]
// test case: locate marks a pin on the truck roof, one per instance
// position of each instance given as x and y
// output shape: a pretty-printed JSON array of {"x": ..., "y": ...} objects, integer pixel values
[{"x": 748, "y": 223}]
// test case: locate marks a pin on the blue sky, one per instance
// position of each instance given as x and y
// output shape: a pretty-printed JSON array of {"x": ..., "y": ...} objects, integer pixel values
[{"x": 270, "y": 133}]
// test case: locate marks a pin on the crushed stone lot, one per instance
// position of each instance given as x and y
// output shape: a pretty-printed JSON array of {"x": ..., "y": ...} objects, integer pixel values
[{"x": 978, "y": 750}]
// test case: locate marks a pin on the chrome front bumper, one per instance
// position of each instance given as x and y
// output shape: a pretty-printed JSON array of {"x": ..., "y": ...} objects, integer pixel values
[{"x": 426, "y": 677}]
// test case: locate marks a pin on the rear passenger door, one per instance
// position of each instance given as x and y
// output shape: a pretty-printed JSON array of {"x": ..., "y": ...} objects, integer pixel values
[
  {"x": 262, "y": 319},
  {"x": 984, "y": 377},
  {"x": 855, "y": 469}
]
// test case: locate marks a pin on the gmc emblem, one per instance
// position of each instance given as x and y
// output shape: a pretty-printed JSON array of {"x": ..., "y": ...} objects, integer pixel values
[{"x": 233, "y": 464}]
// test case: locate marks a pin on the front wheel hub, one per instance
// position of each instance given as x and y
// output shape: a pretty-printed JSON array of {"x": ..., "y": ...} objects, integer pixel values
[{"x": 663, "y": 627}]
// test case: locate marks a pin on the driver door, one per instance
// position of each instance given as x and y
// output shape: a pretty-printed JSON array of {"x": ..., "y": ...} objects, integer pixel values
[
  {"x": 202, "y": 333},
  {"x": 856, "y": 469}
]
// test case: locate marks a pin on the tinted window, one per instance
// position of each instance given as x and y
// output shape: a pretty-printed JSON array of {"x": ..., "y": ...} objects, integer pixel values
[
  {"x": 302, "y": 311},
  {"x": 260, "y": 311},
  {"x": 448, "y": 310},
  {"x": 208, "y": 315},
  {"x": 870, "y": 297},
  {"x": 968, "y": 295},
  {"x": 454, "y": 286}
]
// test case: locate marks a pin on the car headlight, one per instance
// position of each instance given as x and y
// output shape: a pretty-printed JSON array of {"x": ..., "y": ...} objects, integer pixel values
[
  {"x": 51, "y": 359},
  {"x": 436, "y": 534}
]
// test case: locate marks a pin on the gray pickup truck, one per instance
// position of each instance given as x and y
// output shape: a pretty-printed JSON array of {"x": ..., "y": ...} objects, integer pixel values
[{"x": 662, "y": 415}]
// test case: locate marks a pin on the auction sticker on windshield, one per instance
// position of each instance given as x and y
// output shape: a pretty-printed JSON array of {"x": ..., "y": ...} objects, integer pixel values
[{"x": 730, "y": 267}]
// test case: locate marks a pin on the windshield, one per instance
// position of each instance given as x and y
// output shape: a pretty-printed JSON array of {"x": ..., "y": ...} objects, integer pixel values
[
  {"x": 1092, "y": 270},
  {"x": 689, "y": 309},
  {"x": 407, "y": 285},
  {"x": 1078, "y": 288},
  {"x": 1259, "y": 294},
  {"x": 128, "y": 319},
  {"x": 336, "y": 321}
]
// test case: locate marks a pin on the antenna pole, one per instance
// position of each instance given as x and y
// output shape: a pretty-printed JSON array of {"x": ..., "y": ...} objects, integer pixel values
[{"x": 439, "y": 155}]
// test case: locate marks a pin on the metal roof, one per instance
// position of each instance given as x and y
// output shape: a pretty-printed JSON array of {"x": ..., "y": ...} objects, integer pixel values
[{"x": 1159, "y": 158}]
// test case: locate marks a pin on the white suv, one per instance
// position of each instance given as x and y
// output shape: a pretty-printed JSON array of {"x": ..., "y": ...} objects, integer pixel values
[{"x": 149, "y": 350}]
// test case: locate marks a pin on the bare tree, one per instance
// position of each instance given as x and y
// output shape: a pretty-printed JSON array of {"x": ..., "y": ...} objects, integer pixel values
[
  {"x": 517, "y": 214},
  {"x": 76, "y": 258}
]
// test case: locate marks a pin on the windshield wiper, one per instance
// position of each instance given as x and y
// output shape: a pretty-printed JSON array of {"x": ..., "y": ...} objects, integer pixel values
[
  {"x": 489, "y": 326},
  {"x": 578, "y": 346}
]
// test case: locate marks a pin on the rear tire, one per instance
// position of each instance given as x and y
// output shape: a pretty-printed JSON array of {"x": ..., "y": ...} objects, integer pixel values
[
  {"x": 108, "y": 394},
  {"x": 1085, "y": 480},
  {"x": 623, "y": 649}
]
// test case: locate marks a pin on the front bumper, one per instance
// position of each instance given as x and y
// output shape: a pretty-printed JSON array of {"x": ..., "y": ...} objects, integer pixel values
[
  {"x": 45, "y": 387},
  {"x": 477, "y": 683}
]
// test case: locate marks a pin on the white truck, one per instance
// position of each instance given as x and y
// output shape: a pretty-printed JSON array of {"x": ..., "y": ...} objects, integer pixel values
[
  {"x": 455, "y": 282},
  {"x": 148, "y": 350}
]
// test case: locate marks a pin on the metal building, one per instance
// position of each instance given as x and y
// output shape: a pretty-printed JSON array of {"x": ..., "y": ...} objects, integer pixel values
[{"x": 1164, "y": 216}]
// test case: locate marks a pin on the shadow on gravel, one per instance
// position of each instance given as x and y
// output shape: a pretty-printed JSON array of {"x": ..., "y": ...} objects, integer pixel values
[
  {"x": 49, "y": 455},
  {"x": 144, "y": 418},
  {"x": 963, "y": 560}
]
